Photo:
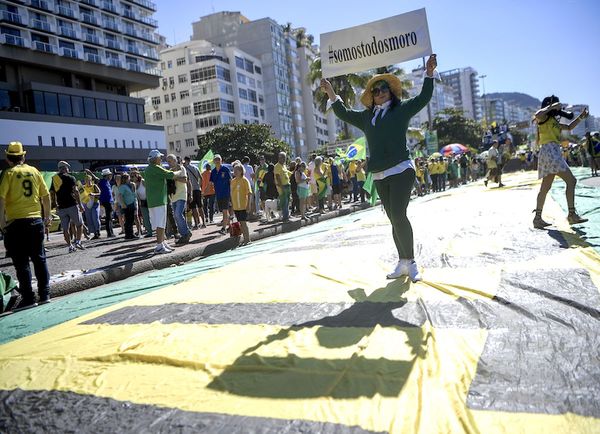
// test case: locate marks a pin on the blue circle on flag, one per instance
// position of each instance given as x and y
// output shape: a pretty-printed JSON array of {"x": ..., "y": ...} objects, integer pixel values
[{"x": 352, "y": 151}]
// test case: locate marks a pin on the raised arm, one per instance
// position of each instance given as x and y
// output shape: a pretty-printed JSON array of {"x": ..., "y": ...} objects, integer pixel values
[
  {"x": 350, "y": 116},
  {"x": 414, "y": 105},
  {"x": 584, "y": 114}
]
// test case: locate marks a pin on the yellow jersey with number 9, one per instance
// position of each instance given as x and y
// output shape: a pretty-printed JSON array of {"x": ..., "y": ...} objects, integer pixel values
[{"x": 21, "y": 187}]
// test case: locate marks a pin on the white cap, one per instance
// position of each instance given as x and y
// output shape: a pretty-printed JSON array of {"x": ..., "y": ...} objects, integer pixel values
[{"x": 155, "y": 153}]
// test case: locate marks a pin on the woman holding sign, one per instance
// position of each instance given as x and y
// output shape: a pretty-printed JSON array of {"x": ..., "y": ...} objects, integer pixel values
[{"x": 385, "y": 124}]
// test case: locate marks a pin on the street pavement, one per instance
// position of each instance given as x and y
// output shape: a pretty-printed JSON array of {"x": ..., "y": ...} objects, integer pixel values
[{"x": 302, "y": 332}]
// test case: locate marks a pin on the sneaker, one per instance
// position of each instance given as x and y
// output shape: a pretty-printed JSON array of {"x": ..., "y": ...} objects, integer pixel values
[
  {"x": 160, "y": 249},
  {"x": 72, "y": 248},
  {"x": 222, "y": 231},
  {"x": 401, "y": 269},
  {"x": 184, "y": 240},
  {"x": 167, "y": 247},
  {"x": 79, "y": 245},
  {"x": 413, "y": 272},
  {"x": 44, "y": 300}
]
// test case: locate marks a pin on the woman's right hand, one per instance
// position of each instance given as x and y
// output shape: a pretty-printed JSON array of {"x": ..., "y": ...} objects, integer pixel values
[{"x": 327, "y": 88}]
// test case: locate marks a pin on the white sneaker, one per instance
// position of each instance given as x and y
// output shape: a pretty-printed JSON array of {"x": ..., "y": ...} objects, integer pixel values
[
  {"x": 167, "y": 247},
  {"x": 400, "y": 270},
  {"x": 413, "y": 272},
  {"x": 160, "y": 249}
]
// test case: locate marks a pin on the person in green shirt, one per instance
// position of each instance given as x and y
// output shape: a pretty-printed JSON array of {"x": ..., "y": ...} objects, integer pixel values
[
  {"x": 385, "y": 124},
  {"x": 156, "y": 195},
  {"x": 550, "y": 159}
]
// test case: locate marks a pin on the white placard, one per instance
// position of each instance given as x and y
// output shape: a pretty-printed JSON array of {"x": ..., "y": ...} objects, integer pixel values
[{"x": 380, "y": 43}]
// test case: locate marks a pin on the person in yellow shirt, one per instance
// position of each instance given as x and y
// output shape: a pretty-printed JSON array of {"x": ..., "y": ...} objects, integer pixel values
[
  {"x": 282, "y": 181},
  {"x": 241, "y": 194},
  {"x": 23, "y": 192},
  {"x": 353, "y": 179},
  {"x": 361, "y": 178}
]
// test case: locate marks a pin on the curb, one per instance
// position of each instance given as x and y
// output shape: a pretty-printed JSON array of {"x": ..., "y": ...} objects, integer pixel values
[{"x": 114, "y": 274}]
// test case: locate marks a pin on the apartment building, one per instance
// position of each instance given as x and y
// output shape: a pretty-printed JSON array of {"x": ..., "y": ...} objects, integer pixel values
[{"x": 465, "y": 84}]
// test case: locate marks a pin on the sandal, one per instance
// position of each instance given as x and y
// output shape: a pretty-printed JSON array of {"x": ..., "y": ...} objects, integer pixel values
[{"x": 538, "y": 221}]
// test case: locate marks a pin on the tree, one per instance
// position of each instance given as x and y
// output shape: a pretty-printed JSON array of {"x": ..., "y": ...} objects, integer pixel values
[
  {"x": 519, "y": 137},
  {"x": 234, "y": 141},
  {"x": 453, "y": 127}
]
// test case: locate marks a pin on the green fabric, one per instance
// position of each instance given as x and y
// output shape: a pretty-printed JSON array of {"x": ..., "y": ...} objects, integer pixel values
[
  {"x": 7, "y": 284},
  {"x": 387, "y": 139},
  {"x": 156, "y": 186},
  {"x": 369, "y": 187}
]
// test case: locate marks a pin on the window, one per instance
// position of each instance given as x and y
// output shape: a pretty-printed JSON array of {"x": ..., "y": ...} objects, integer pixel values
[
  {"x": 257, "y": 69},
  {"x": 187, "y": 127},
  {"x": 170, "y": 64},
  {"x": 171, "y": 146},
  {"x": 169, "y": 130},
  {"x": 180, "y": 61},
  {"x": 208, "y": 106},
  {"x": 90, "y": 108},
  {"x": 122, "y": 111},
  {"x": 251, "y": 82},
  {"x": 251, "y": 95},
  {"x": 203, "y": 74},
  {"x": 223, "y": 73},
  {"x": 184, "y": 94},
  {"x": 190, "y": 143},
  {"x": 243, "y": 93},
  {"x": 239, "y": 62},
  {"x": 112, "y": 110},
  {"x": 175, "y": 113},
  {"x": 132, "y": 112},
  {"x": 166, "y": 97},
  {"x": 249, "y": 66},
  {"x": 155, "y": 100},
  {"x": 182, "y": 78},
  {"x": 227, "y": 106},
  {"x": 101, "y": 111},
  {"x": 185, "y": 111},
  {"x": 38, "y": 102},
  {"x": 77, "y": 106},
  {"x": 163, "y": 66},
  {"x": 64, "y": 104},
  {"x": 226, "y": 88},
  {"x": 51, "y": 103},
  {"x": 171, "y": 81},
  {"x": 176, "y": 129},
  {"x": 168, "y": 114},
  {"x": 157, "y": 116},
  {"x": 241, "y": 78},
  {"x": 173, "y": 96},
  {"x": 208, "y": 122}
]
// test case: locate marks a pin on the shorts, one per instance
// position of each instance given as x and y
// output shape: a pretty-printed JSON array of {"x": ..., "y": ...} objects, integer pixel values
[
  {"x": 223, "y": 203},
  {"x": 158, "y": 216},
  {"x": 68, "y": 216},
  {"x": 262, "y": 195},
  {"x": 241, "y": 215},
  {"x": 337, "y": 188},
  {"x": 196, "y": 201}
]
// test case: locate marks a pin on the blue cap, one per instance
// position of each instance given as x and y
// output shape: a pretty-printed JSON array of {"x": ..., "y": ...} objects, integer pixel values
[{"x": 155, "y": 153}]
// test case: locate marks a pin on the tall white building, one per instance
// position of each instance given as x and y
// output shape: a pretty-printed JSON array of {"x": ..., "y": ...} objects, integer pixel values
[
  {"x": 282, "y": 60},
  {"x": 442, "y": 98},
  {"x": 465, "y": 84},
  {"x": 499, "y": 110},
  {"x": 587, "y": 124},
  {"x": 67, "y": 70},
  {"x": 204, "y": 86}
]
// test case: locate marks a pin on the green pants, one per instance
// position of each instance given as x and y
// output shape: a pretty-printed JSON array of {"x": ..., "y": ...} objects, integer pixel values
[{"x": 394, "y": 192}]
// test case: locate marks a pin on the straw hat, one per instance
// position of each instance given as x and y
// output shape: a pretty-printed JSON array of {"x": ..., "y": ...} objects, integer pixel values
[
  {"x": 15, "y": 148},
  {"x": 393, "y": 82}
]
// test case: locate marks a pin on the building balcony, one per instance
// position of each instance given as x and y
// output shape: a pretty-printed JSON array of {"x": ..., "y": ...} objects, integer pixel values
[
  {"x": 65, "y": 11},
  {"x": 111, "y": 25},
  {"x": 107, "y": 6},
  {"x": 130, "y": 31},
  {"x": 150, "y": 54},
  {"x": 115, "y": 45},
  {"x": 69, "y": 52},
  {"x": 90, "y": 2},
  {"x": 140, "y": 18},
  {"x": 133, "y": 50},
  {"x": 43, "y": 46},
  {"x": 90, "y": 19},
  {"x": 146, "y": 4},
  {"x": 94, "y": 58},
  {"x": 68, "y": 32},
  {"x": 11, "y": 17},
  {"x": 40, "y": 4},
  {"x": 17, "y": 41},
  {"x": 153, "y": 71},
  {"x": 116, "y": 63},
  {"x": 150, "y": 37},
  {"x": 134, "y": 67},
  {"x": 42, "y": 25},
  {"x": 92, "y": 39}
]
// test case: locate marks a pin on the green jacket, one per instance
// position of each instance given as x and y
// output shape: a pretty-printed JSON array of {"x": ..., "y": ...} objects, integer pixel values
[{"x": 387, "y": 139}]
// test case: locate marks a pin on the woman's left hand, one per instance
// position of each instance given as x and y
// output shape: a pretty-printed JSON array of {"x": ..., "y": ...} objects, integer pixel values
[{"x": 431, "y": 64}]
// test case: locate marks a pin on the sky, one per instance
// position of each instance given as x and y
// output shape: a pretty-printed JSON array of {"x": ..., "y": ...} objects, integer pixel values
[{"x": 539, "y": 47}]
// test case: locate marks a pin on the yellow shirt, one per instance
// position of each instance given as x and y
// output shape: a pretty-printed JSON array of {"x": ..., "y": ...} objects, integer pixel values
[
  {"x": 352, "y": 169},
  {"x": 360, "y": 175},
  {"x": 85, "y": 194},
  {"x": 283, "y": 172},
  {"x": 549, "y": 132},
  {"x": 240, "y": 189},
  {"x": 21, "y": 188}
]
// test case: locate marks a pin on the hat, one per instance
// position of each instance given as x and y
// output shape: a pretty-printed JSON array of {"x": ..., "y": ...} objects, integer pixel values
[
  {"x": 106, "y": 172},
  {"x": 62, "y": 164},
  {"x": 393, "y": 82},
  {"x": 15, "y": 148},
  {"x": 155, "y": 153}
]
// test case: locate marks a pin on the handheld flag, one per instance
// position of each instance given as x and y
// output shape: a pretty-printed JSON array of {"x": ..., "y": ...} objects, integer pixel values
[
  {"x": 369, "y": 187},
  {"x": 208, "y": 158},
  {"x": 357, "y": 150}
]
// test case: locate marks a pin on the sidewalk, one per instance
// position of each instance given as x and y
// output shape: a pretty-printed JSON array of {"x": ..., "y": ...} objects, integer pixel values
[{"x": 108, "y": 260}]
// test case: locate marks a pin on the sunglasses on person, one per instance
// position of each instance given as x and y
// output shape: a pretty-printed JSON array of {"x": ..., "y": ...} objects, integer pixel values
[{"x": 380, "y": 89}]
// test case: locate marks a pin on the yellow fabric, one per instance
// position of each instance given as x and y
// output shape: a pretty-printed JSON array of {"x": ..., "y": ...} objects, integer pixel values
[
  {"x": 240, "y": 189},
  {"x": 352, "y": 168},
  {"x": 283, "y": 172},
  {"x": 86, "y": 191},
  {"x": 21, "y": 187},
  {"x": 360, "y": 175},
  {"x": 549, "y": 131}
]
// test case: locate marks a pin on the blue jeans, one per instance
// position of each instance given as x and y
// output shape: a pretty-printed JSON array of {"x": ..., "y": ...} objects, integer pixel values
[
  {"x": 179, "y": 215},
  {"x": 284, "y": 201},
  {"x": 92, "y": 218}
]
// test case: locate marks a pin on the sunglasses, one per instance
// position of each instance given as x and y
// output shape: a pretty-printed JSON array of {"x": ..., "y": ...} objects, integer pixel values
[{"x": 381, "y": 89}]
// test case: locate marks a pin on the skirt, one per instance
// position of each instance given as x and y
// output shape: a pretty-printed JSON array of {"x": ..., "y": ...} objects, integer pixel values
[
  {"x": 303, "y": 192},
  {"x": 550, "y": 160}
]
